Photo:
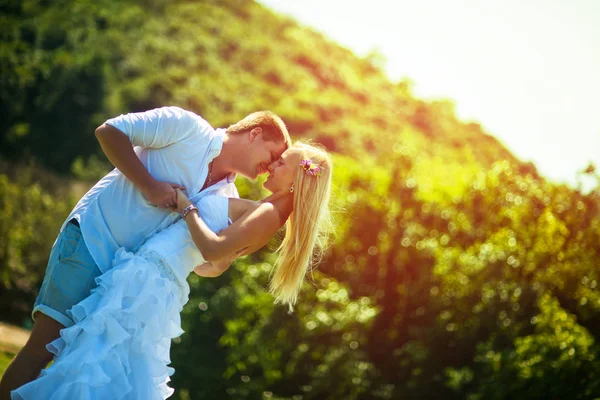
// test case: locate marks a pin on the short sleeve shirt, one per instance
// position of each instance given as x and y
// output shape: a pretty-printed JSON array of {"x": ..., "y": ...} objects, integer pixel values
[{"x": 175, "y": 146}]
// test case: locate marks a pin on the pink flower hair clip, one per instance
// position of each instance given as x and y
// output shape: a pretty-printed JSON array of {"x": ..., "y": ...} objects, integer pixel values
[{"x": 310, "y": 168}]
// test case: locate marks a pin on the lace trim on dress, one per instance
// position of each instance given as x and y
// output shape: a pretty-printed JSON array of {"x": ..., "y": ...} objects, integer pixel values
[{"x": 163, "y": 266}]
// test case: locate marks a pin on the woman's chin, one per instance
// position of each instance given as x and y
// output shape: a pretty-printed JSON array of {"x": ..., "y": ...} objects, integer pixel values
[{"x": 271, "y": 187}]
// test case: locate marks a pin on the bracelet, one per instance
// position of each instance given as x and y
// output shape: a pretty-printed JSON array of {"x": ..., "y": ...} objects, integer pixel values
[{"x": 187, "y": 210}]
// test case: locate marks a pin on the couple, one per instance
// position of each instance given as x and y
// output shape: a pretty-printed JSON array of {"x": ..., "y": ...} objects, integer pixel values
[{"x": 135, "y": 236}]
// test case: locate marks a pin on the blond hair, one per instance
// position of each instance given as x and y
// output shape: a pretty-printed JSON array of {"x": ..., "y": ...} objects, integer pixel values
[
  {"x": 306, "y": 229},
  {"x": 272, "y": 126}
]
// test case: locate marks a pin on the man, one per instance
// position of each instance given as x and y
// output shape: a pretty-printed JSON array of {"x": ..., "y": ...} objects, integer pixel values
[{"x": 174, "y": 148}]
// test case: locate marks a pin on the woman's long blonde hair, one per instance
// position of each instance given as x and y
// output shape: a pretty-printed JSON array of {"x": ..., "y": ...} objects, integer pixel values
[{"x": 307, "y": 227}]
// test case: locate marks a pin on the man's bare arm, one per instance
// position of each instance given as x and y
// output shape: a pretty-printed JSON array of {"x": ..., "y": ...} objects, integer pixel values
[{"x": 119, "y": 150}]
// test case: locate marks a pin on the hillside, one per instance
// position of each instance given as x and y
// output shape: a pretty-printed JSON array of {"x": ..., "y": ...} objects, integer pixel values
[{"x": 74, "y": 64}]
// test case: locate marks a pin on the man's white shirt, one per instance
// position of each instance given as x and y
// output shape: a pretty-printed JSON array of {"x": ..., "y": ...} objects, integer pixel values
[{"x": 175, "y": 146}]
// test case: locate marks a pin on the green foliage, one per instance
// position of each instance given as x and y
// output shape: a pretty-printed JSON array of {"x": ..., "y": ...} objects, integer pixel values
[
  {"x": 70, "y": 65},
  {"x": 5, "y": 359},
  {"x": 29, "y": 222}
]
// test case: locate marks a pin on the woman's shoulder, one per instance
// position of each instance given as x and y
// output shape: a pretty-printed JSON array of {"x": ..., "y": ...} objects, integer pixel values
[
  {"x": 242, "y": 202},
  {"x": 237, "y": 207}
]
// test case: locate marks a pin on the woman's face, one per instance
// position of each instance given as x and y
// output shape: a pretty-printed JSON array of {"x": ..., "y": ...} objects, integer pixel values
[{"x": 283, "y": 171}]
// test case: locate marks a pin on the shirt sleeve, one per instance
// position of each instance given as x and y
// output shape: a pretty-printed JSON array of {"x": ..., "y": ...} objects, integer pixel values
[{"x": 157, "y": 128}]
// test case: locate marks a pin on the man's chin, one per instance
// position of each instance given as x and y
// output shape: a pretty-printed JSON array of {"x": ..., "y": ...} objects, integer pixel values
[
  {"x": 253, "y": 176},
  {"x": 267, "y": 186}
]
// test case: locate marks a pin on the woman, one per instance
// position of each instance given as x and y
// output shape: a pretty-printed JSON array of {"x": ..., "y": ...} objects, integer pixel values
[{"x": 119, "y": 345}]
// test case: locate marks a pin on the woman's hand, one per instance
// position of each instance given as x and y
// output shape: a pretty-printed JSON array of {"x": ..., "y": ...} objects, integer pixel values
[{"x": 181, "y": 203}]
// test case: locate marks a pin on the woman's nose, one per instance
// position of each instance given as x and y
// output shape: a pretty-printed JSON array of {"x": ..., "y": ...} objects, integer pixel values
[{"x": 270, "y": 167}]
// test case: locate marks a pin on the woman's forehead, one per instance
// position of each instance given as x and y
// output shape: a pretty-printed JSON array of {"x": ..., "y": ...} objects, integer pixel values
[{"x": 291, "y": 153}]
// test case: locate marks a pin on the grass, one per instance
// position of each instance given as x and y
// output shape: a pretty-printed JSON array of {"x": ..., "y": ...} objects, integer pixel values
[
  {"x": 12, "y": 338},
  {"x": 5, "y": 358}
]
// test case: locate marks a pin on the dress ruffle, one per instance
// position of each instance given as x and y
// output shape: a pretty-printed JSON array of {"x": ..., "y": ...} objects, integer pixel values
[{"x": 120, "y": 343}]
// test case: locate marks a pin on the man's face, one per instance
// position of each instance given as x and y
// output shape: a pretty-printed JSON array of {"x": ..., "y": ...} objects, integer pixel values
[{"x": 261, "y": 153}]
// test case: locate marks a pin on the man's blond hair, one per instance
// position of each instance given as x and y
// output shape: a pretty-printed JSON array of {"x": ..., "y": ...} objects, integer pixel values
[{"x": 272, "y": 126}]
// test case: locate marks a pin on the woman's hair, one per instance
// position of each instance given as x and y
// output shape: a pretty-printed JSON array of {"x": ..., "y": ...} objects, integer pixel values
[{"x": 306, "y": 229}]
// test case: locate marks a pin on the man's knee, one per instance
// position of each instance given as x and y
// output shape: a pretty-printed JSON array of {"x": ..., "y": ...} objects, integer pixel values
[
  {"x": 34, "y": 355},
  {"x": 45, "y": 330}
]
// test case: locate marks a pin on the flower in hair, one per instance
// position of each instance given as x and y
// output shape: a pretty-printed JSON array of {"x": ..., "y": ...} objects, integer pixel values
[{"x": 310, "y": 168}]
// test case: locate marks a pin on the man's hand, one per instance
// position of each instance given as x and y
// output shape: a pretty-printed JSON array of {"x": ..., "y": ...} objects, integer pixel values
[
  {"x": 119, "y": 150},
  {"x": 162, "y": 194},
  {"x": 181, "y": 202}
]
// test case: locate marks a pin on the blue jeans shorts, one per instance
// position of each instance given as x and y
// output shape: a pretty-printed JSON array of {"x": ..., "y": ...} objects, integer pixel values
[{"x": 70, "y": 276}]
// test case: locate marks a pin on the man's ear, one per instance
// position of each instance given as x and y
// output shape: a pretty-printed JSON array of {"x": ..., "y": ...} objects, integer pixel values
[{"x": 254, "y": 133}]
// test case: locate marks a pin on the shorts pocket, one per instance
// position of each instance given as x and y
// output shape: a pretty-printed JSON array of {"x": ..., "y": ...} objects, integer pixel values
[{"x": 70, "y": 242}]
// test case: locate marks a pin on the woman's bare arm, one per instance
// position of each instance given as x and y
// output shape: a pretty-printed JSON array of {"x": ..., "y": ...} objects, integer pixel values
[
  {"x": 253, "y": 230},
  {"x": 215, "y": 268}
]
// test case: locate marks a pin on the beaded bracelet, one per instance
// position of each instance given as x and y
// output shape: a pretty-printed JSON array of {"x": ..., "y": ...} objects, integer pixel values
[{"x": 187, "y": 210}]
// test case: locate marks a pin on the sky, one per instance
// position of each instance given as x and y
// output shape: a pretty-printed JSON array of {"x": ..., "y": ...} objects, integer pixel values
[{"x": 527, "y": 70}]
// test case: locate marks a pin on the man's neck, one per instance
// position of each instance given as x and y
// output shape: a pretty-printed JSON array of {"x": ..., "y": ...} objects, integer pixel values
[
  {"x": 218, "y": 172},
  {"x": 222, "y": 163}
]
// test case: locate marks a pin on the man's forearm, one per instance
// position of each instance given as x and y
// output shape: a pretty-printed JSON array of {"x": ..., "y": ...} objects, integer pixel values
[{"x": 119, "y": 151}]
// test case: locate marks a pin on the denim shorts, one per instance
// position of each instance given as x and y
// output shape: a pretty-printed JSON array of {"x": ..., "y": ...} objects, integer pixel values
[{"x": 70, "y": 276}]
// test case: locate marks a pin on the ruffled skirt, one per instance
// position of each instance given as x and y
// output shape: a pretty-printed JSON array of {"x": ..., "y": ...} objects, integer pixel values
[{"x": 120, "y": 343}]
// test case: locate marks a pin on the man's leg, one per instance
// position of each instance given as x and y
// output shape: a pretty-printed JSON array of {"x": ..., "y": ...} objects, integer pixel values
[
  {"x": 70, "y": 277},
  {"x": 33, "y": 357}
]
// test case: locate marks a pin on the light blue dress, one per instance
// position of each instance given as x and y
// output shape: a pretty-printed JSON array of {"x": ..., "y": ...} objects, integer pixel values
[{"x": 119, "y": 346}]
